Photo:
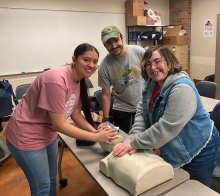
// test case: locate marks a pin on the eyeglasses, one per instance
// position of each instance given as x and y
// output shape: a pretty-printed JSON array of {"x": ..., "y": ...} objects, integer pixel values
[{"x": 156, "y": 63}]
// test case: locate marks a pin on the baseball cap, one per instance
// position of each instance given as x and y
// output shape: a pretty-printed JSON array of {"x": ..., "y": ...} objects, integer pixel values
[{"x": 110, "y": 32}]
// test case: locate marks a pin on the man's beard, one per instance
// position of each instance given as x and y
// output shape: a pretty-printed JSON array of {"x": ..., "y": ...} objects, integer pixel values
[{"x": 121, "y": 49}]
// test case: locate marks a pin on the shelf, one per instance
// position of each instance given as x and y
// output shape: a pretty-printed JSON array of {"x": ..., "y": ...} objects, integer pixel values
[
  {"x": 148, "y": 26},
  {"x": 134, "y": 28}
]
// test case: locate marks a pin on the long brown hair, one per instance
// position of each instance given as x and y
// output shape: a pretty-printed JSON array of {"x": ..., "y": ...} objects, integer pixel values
[{"x": 86, "y": 103}]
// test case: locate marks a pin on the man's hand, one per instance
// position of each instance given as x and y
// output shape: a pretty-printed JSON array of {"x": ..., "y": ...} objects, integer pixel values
[
  {"x": 103, "y": 125},
  {"x": 123, "y": 148}
]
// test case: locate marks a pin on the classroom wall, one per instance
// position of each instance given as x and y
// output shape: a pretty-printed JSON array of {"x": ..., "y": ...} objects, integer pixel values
[
  {"x": 115, "y": 6},
  {"x": 217, "y": 60},
  {"x": 109, "y": 6},
  {"x": 203, "y": 49},
  {"x": 180, "y": 13}
]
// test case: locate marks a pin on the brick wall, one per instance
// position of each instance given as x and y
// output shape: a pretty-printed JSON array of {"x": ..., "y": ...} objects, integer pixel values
[{"x": 180, "y": 13}]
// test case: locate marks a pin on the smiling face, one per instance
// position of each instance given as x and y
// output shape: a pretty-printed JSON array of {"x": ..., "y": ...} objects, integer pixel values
[
  {"x": 85, "y": 65},
  {"x": 157, "y": 68},
  {"x": 115, "y": 46}
]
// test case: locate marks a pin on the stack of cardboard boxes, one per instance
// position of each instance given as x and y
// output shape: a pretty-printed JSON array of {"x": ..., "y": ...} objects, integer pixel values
[
  {"x": 135, "y": 13},
  {"x": 176, "y": 43}
]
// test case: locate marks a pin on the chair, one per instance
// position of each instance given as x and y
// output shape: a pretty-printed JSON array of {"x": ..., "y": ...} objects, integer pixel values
[
  {"x": 21, "y": 90},
  {"x": 98, "y": 95},
  {"x": 207, "y": 89},
  {"x": 4, "y": 152},
  {"x": 215, "y": 184},
  {"x": 88, "y": 83},
  {"x": 215, "y": 116},
  {"x": 94, "y": 101},
  {"x": 210, "y": 78},
  {"x": 5, "y": 112}
]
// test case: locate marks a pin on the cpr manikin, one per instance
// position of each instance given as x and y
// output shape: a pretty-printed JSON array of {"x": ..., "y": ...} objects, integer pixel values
[{"x": 136, "y": 173}]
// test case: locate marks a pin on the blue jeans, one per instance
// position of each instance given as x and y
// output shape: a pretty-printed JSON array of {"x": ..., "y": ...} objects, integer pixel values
[
  {"x": 202, "y": 166},
  {"x": 39, "y": 167}
]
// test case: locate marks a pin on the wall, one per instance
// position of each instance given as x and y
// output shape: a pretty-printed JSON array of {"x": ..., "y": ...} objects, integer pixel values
[
  {"x": 106, "y": 6},
  {"x": 180, "y": 13},
  {"x": 203, "y": 49},
  {"x": 40, "y": 39},
  {"x": 217, "y": 60},
  {"x": 116, "y": 6},
  {"x": 109, "y": 6}
]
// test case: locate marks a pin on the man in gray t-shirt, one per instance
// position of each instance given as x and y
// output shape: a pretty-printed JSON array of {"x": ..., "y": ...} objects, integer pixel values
[{"x": 121, "y": 70}]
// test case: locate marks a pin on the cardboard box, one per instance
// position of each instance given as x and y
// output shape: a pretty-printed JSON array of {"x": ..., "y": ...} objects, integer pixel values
[
  {"x": 171, "y": 37},
  {"x": 183, "y": 62},
  {"x": 134, "y": 8},
  {"x": 180, "y": 51},
  {"x": 136, "y": 21}
]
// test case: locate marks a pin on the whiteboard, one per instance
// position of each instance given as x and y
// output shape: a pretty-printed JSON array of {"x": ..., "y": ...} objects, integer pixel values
[{"x": 33, "y": 40}]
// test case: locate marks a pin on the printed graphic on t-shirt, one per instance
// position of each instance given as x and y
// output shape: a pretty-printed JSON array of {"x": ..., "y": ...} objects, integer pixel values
[
  {"x": 69, "y": 105},
  {"x": 127, "y": 75}
]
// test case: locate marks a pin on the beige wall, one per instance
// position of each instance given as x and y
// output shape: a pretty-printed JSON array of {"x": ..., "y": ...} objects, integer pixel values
[
  {"x": 113, "y": 6},
  {"x": 116, "y": 6},
  {"x": 217, "y": 60},
  {"x": 202, "y": 59}
]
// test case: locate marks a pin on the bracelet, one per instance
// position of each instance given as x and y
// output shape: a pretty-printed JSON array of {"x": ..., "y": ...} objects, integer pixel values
[{"x": 105, "y": 119}]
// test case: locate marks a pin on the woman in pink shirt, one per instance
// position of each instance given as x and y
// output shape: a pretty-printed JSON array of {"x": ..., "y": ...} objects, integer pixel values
[{"x": 53, "y": 97}]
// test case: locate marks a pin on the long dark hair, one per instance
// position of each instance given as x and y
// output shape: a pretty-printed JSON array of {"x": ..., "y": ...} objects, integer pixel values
[{"x": 86, "y": 103}]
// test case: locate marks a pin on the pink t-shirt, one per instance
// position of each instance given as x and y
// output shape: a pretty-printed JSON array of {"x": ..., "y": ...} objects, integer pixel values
[{"x": 29, "y": 127}]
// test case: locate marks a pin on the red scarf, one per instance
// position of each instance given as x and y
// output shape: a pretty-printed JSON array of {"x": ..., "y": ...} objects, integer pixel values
[{"x": 156, "y": 94}]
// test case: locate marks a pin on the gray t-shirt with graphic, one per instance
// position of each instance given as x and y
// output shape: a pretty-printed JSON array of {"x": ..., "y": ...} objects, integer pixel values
[{"x": 124, "y": 75}]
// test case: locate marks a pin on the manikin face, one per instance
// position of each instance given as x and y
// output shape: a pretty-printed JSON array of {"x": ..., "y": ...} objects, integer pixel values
[
  {"x": 85, "y": 65},
  {"x": 115, "y": 46},
  {"x": 156, "y": 68}
]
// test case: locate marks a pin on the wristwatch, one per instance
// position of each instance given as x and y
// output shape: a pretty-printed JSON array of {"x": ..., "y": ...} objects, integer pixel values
[{"x": 105, "y": 119}]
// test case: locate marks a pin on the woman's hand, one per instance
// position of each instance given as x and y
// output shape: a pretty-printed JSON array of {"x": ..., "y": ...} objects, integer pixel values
[
  {"x": 96, "y": 130},
  {"x": 106, "y": 135},
  {"x": 72, "y": 123},
  {"x": 123, "y": 148}
]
